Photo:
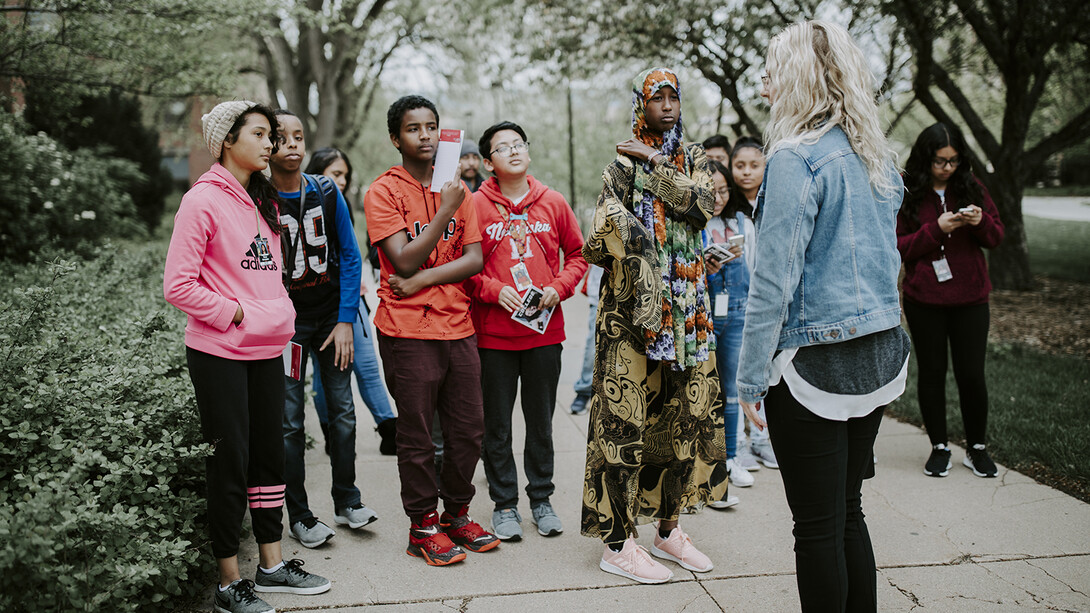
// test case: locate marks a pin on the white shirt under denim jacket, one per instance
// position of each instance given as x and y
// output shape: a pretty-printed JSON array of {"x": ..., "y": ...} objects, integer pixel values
[{"x": 826, "y": 273}]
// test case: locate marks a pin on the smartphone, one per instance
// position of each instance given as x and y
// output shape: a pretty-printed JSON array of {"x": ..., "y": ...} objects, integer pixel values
[
  {"x": 717, "y": 252},
  {"x": 964, "y": 210},
  {"x": 737, "y": 240}
]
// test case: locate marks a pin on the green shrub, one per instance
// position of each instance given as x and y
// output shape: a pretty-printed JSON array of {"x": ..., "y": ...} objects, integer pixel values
[
  {"x": 59, "y": 200},
  {"x": 101, "y": 464},
  {"x": 110, "y": 120}
]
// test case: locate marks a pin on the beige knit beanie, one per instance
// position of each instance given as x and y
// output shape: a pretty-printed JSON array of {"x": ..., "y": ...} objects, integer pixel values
[{"x": 216, "y": 123}]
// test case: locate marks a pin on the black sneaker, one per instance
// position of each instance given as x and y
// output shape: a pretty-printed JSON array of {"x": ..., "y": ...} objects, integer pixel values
[
  {"x": 976, "y": 458},
  {"x": 938, "y": 465},
  {"x": 239, "y": 597}
]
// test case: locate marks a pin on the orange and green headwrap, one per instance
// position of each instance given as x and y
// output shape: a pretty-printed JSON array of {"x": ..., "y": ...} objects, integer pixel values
[
  {"x": 686, "y": 337},
  {"x": 645, "y": 86}
]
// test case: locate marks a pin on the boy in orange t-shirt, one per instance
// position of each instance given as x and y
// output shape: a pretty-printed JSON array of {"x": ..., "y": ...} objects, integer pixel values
[{"x": 428, "y": 244}]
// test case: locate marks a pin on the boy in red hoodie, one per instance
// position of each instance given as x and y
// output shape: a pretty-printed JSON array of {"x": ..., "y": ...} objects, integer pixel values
[
  {"x": 428, "y": 244},
  {"x": 525, "y": 227}
]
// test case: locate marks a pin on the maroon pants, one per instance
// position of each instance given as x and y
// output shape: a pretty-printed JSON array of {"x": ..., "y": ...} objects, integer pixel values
[{"x": 426, "y": 378}]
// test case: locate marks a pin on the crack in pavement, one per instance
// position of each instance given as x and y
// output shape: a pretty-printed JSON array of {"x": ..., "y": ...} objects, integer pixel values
[
  {"x": 705, "y": 588},
  {"x": 906, "y": 593},
  {"x": 1058, "y": 580},
  {"x": 960, "y": 560}
]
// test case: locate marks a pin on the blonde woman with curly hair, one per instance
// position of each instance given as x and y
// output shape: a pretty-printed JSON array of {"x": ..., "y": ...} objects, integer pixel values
[{"x": 822, "y": 345}]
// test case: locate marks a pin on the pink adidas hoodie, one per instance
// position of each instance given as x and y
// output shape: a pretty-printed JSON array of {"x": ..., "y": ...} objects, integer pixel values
[{"x": 212, "y": 267}]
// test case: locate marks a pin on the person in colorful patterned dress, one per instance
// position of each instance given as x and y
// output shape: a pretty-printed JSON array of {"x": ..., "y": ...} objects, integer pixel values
[{"x": 655, "y": 446}]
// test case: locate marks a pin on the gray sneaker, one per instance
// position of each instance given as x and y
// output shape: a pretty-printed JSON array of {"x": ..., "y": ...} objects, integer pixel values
[
  {"x": 311, "y": 532},
  {"x": 239, "y": 597},
  {"x": 291, "y": 579},
  {"x": 355, "y": 516},
  {"x": 763, "y": 452},
  {"x": 507, "y": 524},
  {"x": 548, "y": 524},
  {"x": 744, "y": 459}
]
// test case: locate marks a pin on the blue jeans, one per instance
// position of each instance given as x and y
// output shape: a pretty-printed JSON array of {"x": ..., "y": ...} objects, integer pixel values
[
  {"x": 311, "y": 333},
  {"x": 368, "y": 377},
  {"x": 728, "y": 344},
  {"x": 586, "y": 377}
]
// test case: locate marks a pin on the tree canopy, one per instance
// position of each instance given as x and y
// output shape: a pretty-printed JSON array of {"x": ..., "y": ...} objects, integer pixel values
[{"x": 149, "y": 47}]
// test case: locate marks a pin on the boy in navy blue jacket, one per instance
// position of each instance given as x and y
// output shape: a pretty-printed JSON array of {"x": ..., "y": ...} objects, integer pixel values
[{"x": 322, "y": 268}]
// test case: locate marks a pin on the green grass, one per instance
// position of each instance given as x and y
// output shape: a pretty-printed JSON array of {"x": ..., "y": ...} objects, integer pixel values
[
  {"x": 1059, "y": 249},
  {"x": 1038, "y": 415}
]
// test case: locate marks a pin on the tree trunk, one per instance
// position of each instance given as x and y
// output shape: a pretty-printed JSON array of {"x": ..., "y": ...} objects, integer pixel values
[{"x": 1008, "y": 264}]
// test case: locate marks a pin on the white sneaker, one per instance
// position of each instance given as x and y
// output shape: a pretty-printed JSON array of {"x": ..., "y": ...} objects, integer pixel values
[
  {"x": 744, "y": 459},
  {"x": 739, "y": 477},
  {"x": 727, "y": 502}
]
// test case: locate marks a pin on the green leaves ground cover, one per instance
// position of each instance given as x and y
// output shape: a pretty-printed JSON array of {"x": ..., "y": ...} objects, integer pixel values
[{"x": 101, "y": 465}]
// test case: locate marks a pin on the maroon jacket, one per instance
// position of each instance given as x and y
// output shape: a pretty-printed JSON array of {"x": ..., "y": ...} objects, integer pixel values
[{"x": 920, "y": 244}]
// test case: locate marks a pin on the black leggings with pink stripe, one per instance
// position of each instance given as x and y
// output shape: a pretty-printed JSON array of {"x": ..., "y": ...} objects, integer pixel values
[{"x": 242, "y": 415}]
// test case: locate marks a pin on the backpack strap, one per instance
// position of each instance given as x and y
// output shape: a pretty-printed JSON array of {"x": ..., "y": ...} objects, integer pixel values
[{"x": 327, "y": 192}]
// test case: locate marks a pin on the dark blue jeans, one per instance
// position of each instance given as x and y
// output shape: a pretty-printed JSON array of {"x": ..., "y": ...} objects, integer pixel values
[
  {"x": 823, "y": 464},
  {"x": 337, "y": 383},
  {"x": 501, "y": 371},
  {"x": 368, "y": 377}
]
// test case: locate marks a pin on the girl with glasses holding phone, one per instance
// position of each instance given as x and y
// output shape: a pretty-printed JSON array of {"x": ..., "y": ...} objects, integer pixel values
[{"x": 947, "y": 220}]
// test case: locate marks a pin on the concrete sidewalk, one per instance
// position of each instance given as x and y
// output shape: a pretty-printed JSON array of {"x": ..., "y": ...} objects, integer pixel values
[
  {"x": 956, "y": 544},
  {"x": 1067, "y": 208}
]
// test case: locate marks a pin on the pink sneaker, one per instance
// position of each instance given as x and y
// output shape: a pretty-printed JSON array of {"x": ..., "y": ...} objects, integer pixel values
[
  {"x": 679, "y": 548},
  {"x": 633, "y": 562}
]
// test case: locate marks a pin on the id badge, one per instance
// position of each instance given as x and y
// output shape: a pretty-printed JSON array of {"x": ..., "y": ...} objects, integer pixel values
[
  {"x": 521, "y": 275},
  {"x": 722, "y": 304},
  {"x": 942, "y": 270},
  {"x": 264, "y": 256}
]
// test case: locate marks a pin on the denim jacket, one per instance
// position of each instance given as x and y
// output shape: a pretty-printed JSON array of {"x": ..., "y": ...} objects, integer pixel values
[
  {"x": 732, "y": 278},
  {"x": 827, "y": 259}
]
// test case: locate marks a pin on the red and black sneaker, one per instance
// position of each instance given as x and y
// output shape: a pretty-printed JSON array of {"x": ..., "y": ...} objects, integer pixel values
[
  {"x": 466, "y": 532},
  {"x": 427, "y": 541}
]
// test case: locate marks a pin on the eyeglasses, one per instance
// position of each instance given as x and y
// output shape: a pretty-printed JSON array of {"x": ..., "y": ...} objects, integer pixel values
[
  {"x": 509, "y": 150},
  {"x": 724, "y": 192},
  {"x": 941, "y": 163},
  {"x": 765, "y": 79}
]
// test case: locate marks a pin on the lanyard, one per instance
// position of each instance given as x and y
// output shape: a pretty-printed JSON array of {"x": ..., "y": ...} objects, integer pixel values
[
  {"x": 520, "y": 233},
  {"x": 942, "y": 204}
]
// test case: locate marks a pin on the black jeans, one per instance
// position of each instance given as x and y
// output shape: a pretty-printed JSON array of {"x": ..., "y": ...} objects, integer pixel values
[
  {"x": 966, "y": 330},
  {"x": 539, "y": 370},
  {"x": 823, "y": 464}
]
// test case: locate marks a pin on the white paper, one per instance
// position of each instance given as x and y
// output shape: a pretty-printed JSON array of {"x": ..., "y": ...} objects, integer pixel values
[{"x": 447, "y": 155}]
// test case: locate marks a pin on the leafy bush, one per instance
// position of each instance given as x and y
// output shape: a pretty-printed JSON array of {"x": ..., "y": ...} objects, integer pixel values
[
  {"x": 110, "y": 121},
  {"x": 101, "y": 464},
  {"x": 59, "y": 200}
]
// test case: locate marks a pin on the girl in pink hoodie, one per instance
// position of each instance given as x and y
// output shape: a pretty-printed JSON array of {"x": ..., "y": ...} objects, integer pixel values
[{"x": 223, "y": 269}]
